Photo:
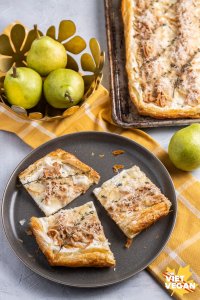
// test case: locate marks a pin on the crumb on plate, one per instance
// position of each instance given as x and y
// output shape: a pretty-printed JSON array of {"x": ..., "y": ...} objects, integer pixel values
[
  {"x": 29, "y": 232},
  {"x": 116, "y": 168},
  {"x": 117, "y": 152},
  {"x": 22, "y": 222},
  {"x": 20, "y": 240},
  {"x": 128, "y": 243},
  {"x": 29, "y": 255}
]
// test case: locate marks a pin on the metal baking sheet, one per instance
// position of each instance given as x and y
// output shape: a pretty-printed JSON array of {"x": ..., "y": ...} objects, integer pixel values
[{"x": 124, "y": 112}]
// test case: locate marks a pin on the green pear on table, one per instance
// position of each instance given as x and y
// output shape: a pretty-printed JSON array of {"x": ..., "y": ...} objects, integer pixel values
[{"x": 184, "y": 148}]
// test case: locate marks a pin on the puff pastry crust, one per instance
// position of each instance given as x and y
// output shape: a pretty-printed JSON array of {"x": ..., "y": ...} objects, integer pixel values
[
  {"x": 73, "y": 238},
  {"x": 132, "y": 201},
  {"x": 163, "y": 56},
  {"x": 57, "y": 179}
]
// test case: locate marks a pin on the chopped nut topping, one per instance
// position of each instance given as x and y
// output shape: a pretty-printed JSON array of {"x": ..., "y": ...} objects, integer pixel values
[
  {"x": 80, "y": 231},
  {"x": 52, "y": 171}
]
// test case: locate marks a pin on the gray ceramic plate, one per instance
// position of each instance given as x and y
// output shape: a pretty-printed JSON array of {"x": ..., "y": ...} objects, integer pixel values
[{"x": 95, "y": 149}]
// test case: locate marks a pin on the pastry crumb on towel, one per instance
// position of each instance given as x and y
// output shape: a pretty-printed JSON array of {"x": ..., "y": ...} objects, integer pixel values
[
  {"x": 57, "y": 179},
  {"x": 73, "y": 238},
  {"x": 132, "y": 201}
]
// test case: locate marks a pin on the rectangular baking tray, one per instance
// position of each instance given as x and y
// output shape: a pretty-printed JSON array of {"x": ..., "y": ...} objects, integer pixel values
[{"x": 124, "y": 113}]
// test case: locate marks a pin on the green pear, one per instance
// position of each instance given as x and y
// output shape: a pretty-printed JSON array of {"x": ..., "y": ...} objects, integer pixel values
[
  {"x": 63, "y": 88},
  {"x": 184, "y": 148},
  {"x": 46, "y": 55},
  {"x": 23, "y": 87}
]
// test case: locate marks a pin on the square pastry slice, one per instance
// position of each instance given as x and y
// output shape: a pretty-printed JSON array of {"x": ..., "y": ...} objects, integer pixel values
[
  {"x": 73, "y": 238},
  {"x": 57, "y": 179},
  {"x": 132, "y": 201}
]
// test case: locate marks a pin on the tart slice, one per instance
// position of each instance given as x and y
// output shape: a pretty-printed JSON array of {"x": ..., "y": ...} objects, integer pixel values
[
  {"x": 73, "y": 238},
  {"x": 57, "y": 179},
  {"x": 132, "y": 201},
  {"x": 162, "y": 41}
]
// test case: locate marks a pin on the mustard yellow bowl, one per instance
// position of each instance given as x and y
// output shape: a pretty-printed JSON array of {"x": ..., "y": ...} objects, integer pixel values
[{"x": 89, "y": 59}]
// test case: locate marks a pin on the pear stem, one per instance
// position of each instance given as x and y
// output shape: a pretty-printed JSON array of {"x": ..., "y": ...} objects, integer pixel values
[
  {"x": 68, "y": 97},
  {"x": 36, "y": 31},
  {"x": 14, "y": 74}
]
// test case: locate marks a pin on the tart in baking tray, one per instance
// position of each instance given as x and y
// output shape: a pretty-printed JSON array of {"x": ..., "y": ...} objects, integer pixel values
[
  {"x": 73, "y": 238},
  {"x": 56, "y": 179},
  {"x": 163, "y": 56},
  {"x": 132, "y": 201}
]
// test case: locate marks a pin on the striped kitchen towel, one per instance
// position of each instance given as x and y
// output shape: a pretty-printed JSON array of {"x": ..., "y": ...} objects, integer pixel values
[{"x": 183, "y": 247}]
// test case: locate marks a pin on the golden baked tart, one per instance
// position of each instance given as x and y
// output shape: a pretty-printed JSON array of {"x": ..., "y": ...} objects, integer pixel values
[
  {"x": 132, "y": 201},
  {"x": 162, "y": 40},
  {"x": 57, "y": 179},
  {"x": 73, "y": 238}
]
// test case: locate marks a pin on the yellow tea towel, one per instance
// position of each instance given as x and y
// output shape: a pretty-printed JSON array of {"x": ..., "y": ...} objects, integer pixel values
[{"x": 184, "y": 246}]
